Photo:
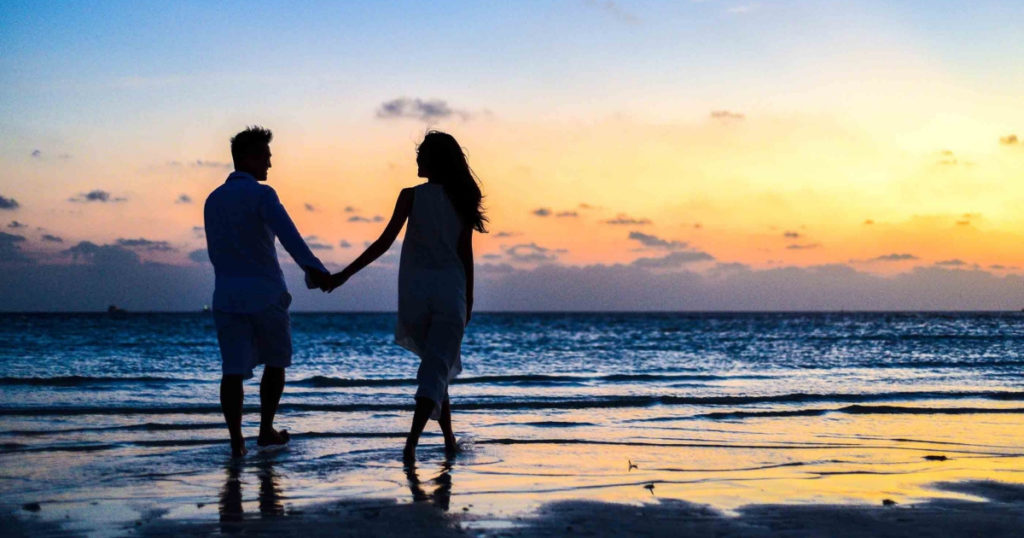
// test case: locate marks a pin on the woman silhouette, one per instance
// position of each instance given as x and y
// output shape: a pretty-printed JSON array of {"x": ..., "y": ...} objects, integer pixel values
[{"x": 435, "y": 277}]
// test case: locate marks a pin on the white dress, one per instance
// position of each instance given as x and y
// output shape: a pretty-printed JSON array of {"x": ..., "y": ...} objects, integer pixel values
[{"x": 432, "y": 292}]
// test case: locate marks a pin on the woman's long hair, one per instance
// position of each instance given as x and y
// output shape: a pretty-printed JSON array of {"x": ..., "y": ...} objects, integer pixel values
[{"x": 446, "y": 164}]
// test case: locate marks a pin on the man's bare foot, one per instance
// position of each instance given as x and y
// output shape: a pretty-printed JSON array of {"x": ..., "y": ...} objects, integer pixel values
[
  {"x": 273, "y": 438},
  {"x": 238, "y": 449}
]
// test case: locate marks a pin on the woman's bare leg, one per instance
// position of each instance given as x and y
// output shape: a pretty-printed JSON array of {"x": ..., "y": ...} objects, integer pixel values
[
  {"x": 424, "y": 406},
  {"x": 450, "y": 443}
]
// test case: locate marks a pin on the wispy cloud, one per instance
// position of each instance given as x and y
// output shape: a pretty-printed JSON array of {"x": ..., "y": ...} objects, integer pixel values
[
  {"x": 183, "y": 199},
  {"x": 146, "y": 244},
  {"x": 15, "y": 225},
  {"x": 673, "y": 259},
  {"x": 10, "y": 249},
  {"x": 894, "y": 257},
  {"x": 344, "y": 244},
  {"x": 788, "y": 234},
  {"x": 1009, "y": 140},
  {"x": 623, "y": 219},
  {"x": 202, "y": 163},
  {"x": 743, "y": 9},
  {"x": 49, "y": 238},
  {"x": 358, "y": 218},
  {"x": 951, "y": 263},
  {"x": 96, "y": 195},
  {"x": 114, "y": 256},
  {"x": 532, "y": 253},
  {"x": 727, "y": 115},
  {"x": 653, "y": 241},
  {"x": 314, "y": 243},
  {"x": 9, "y": 203},
  {"x": 806, "y": 246},
  {"x": 425, "y": 110},
  {"x": 310, "y": 207},
  {"x": 541, "y": 212},
  {"x": 567, "y": 214},
  {"x": 507, "y": 234},
  {"x": 199, "y": 256}
]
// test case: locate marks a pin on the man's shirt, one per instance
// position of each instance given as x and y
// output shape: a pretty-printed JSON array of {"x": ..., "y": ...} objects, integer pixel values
[{"x": 242, "y": 218}]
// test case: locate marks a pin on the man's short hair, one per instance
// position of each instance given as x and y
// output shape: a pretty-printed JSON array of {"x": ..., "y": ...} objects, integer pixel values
[{"x": 249, "y": 141}]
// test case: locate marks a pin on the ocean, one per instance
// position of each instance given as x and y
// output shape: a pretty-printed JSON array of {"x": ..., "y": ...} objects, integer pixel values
[{"x": 122, "y": 411}]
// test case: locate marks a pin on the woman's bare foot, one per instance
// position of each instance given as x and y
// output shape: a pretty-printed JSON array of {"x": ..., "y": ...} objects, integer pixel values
[
  {"x": 409, "y": 453},
  {"x": 272, "y": 438},
  {"x": 451, "y": 445}
]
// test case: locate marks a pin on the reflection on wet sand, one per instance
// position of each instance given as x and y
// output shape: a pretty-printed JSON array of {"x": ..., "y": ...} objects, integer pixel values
[
  {"x": 442, "y": 494},
  {"x": 269, "y": 499}
]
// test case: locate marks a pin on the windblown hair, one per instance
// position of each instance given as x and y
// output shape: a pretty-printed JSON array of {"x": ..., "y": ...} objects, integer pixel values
[
  {"x": 249, "y": 141},
  {"x": 447, "y": 165}
]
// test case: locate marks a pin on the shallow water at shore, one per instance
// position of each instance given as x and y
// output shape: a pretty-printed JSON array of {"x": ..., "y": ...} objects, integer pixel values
[{"x": 110, "y": 424}]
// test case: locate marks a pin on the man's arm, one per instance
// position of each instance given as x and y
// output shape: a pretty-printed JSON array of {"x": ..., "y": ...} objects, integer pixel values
[{"x": 281, "y": 224}]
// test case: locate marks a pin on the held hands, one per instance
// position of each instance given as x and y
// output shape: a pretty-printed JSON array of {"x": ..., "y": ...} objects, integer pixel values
[
  {"x": 316, "y": 278},
  {"x": 335, "y": 281}
]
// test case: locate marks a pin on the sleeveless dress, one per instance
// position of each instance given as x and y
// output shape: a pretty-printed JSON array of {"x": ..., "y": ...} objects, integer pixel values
[{"x": 432, "y": 292}]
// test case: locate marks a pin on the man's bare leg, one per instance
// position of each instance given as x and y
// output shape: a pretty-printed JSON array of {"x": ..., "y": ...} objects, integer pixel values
[
  {"x": 231, "y": 396},
  {"x": 271, "y": 388}
]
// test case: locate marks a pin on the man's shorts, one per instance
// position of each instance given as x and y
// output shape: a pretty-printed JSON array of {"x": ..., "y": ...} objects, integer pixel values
[{"x": 263, "y": 337}]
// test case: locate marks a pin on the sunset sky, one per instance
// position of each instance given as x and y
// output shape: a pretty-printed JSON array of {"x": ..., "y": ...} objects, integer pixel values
[{"x": 688, "y": 141}]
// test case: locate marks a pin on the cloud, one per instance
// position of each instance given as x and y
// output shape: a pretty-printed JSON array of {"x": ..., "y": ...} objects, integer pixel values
[
  {"x": 673, "y": 260},
  {"x": 146, "y": 244},
  {"x": 96, "y": 196},
  {"x": 564, "y": 214},
  {"x": 586, "y": 206},
  {"x": 791, "y": 235},
  {"x": 183, "y": 199},
  {"x": 951, "y": 263},
  {"x": 198, "y": 231},
  {"x": 507, "y": 234},
  {"x": 103, "y": 255},
  {"x": 541, "y": 212},
  {"x": 349, "y": 209},
  {"x": 1009, "y": 140},
  {"x": 868, "y": 222},
  {"x": 10, "y": 249},
  {"x": 358, "y": 218},
  {"x": 9, "y": 203},
  {"x": 613, "y": 9},
  {"x": 895, "y": 257},
  {"x": 200, "y": 255},
  {"x": 495, "y": 268},
  {"x": 491, "y": 256},
  {"x": 624, "y": 219},
  {"x": 726, "y": 115},
  {"x": 37, "y": 154},
  {"x": 425, "y": 110},
  {"x": 652, "y": 241},
  {"x": 310, "y": 208},
  {"x": 806, "y": 246},
  {"x": 743, "y": 9},
  {"x": 200, "y": 163},
  {"x": 15, "y": 225},
  {"x": 531, "y": 253},
  {"x": 344, "y": 244},
  {"x": 52, "y": 238},
  {"x": 313, "y": 242}
]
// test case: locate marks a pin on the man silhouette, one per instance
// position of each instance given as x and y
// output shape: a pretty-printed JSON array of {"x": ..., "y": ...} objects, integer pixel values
[{"x": 250, "y": 300}]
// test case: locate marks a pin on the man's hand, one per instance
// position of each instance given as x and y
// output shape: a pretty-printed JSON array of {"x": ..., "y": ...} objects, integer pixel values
[{"x": 316, "y": 278}]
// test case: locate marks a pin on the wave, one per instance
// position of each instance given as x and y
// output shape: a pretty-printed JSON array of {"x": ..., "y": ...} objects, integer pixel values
[
  {"x": 320, "y": 381},
  {"x": 77, "y": 380},
  {"x": 866, "y": 410},
  {"x": 544, "y": 403}
]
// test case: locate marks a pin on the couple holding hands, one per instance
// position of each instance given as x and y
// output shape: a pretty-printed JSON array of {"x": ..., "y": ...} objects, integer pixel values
[{"x": 250, "y": 301}]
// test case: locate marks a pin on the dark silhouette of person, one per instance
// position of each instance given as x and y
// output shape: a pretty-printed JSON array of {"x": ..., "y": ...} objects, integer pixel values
[
  {"x": 250, "y": 299},
  {"x": 435, "y": 279},
  {"x": 442, "y": 494}
]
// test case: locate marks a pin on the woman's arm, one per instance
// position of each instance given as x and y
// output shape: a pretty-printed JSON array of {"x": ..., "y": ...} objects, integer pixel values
[
  {"x": 465, "y": 248},
  {"x": 382, "y": 244}
]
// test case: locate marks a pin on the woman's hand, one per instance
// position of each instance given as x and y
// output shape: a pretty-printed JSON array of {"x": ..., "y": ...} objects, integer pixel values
[{"x": 335, "y": 281}]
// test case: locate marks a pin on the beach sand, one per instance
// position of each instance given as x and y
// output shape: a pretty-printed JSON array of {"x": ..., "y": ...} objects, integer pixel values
[{"x": 503, "y": 487}]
